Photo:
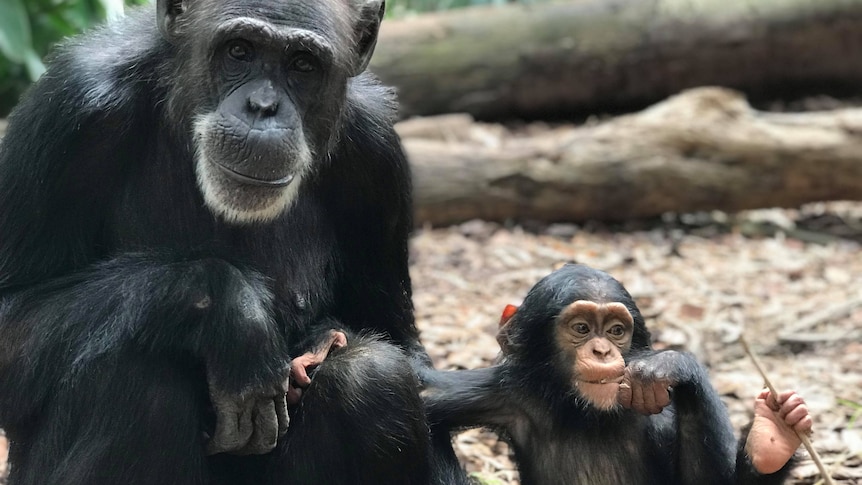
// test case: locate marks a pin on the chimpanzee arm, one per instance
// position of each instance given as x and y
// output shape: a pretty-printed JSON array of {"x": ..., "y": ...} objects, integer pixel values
[
  {"x": 704, "y": 436},
  {"x": 208, "y": 309},
  {"x": 703, "y": 431},
  {"x": 467, "y": 398}
]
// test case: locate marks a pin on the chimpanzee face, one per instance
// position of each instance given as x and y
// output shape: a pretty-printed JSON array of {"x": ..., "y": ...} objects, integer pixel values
[
  {"x": 272, "y": 81},
  {"x": 584, "y": 324},
  {"x": 591, "y": 339}
]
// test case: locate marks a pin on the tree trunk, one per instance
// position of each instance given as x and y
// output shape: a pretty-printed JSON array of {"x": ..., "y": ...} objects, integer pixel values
[
  {"x": 587, "y": 56},
  {"x": 705, "y": 149}
]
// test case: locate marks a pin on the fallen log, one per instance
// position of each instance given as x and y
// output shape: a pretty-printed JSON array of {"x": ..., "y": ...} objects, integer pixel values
[
  {"x": 543, "y": 60},
  {"x": 705, "y": 149}
]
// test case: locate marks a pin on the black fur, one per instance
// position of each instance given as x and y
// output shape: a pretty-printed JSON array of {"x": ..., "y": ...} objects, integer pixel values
[
  {"x": 558, "y": 438},
  {"x": 120, "y": 291}
]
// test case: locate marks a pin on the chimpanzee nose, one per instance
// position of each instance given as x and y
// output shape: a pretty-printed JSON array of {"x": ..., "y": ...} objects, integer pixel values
[
  {"x": 601, "y": 349},
  {"x": 264, "y": 100}
]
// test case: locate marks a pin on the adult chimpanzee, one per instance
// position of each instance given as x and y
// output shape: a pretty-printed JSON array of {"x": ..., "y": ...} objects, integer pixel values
[
  {"x": 186, "y": 197},
  {"x": 584, "y": 400}
]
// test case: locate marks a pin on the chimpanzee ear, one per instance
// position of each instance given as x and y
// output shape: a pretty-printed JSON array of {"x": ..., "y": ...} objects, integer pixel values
[
  {"x": 168, "y": 11},
  {"x": 507, "y": 315},
  {"x": 370, "y": 14},
  {"x": 503, "y": 334}
]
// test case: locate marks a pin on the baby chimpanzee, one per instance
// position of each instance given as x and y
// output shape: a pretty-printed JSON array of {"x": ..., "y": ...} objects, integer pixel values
[{"x": 583, "y": 399}]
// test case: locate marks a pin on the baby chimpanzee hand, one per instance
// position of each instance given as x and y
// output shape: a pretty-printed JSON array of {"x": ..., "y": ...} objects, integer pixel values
[
  {"x": 647, "y": 381},
  {"x": 301, "y": 367}
]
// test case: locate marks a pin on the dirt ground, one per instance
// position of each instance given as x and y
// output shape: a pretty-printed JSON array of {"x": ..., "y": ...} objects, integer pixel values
[{"x": 788, "y": 279}]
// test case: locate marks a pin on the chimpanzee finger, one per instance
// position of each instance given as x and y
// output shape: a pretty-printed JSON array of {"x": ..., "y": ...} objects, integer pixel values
[
  {"x": 790, "y": 404},
  {"x": 233, "y": 428},
  {"x": 649, "y": 406},
  {"x": 624, "y": 397},
  {"x": 638, "y": 402},
  {"x": 280, "y": 403},
  {"x": 245, "y": 424},
  {"x": 339, "y": 340},
  {"x": 221, "y": 439},
  {"x": 768, "y": 399},
  {"x": 805, "y": 425},
  {"x": 796, "y": 415},
  {"x": 294, "y": 395},
  {"x": 784, "y": 396},
  {"x": 662, "y": 396},
  {"x": 298, "y": 370},
  {"x": 265, "y": 429}
]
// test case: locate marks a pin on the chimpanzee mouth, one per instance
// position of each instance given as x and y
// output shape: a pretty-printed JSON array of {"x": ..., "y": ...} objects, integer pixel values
[
  {"x": 606, "y": 380},
  {"x": 602, "y": 394},
  {"x": 258, "y": 182}
]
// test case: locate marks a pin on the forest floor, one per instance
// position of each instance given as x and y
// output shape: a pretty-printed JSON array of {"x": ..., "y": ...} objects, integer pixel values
[{"x": 789, "y": 279}]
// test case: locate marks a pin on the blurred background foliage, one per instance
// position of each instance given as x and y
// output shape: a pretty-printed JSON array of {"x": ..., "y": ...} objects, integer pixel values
[{"x": 29, "y": 28}]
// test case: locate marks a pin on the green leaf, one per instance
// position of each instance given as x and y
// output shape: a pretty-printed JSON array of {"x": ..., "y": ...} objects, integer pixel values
[
  {"x": 80, "y": 15},
  {"x": 113, "y": 9},
  {"x": 854, "y": 405},
  {"x": 15, "y": 37},
  {"x": 35, "y": 68},
  {"x": 56, "y": 24}
]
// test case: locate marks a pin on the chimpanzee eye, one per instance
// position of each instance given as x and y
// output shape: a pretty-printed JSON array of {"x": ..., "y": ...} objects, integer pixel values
[
  {"x": 617, "y": 331},
  {"x": 303, "y": 63},
  {"x": 581, "y": 328},
  {"x": 240, "y": 50}
]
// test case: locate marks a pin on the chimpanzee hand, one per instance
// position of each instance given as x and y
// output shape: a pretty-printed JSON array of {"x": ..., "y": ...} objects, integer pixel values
[
  {"x": 646, "y": 382},
  {"x": 241, "y": 346},
  {"x": 301, "y": 366},
  {"x": 772, "y": 439},
  {"x": 249, "y": 423}
]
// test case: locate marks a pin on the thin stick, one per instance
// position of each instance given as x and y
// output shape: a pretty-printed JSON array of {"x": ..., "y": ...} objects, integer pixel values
[{"x": 827, "y": 479}]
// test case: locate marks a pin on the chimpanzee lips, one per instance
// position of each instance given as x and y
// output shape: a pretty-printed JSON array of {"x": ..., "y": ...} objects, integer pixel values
[
  {"x": 256, "y": 181},
  {"x": 606, "y": 380},
  {"x": 601, "y": 394}
]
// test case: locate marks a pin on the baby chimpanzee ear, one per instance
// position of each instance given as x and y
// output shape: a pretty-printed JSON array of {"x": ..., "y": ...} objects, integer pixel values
[
  {"x": 507, "y": 315},
  {"x": 503, "y": 333}
]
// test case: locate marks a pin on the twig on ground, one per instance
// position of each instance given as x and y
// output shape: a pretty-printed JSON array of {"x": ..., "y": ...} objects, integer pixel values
[{"x": 827, "y": 478}]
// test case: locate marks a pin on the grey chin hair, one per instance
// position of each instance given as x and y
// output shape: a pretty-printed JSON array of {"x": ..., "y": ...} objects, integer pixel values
[{"x": 215, "y": 196}]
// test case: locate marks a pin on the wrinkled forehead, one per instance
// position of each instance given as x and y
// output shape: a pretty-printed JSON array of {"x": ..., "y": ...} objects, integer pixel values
[
  {"x": 329, "y": 19},
  {"x": 599, "y": 311}
]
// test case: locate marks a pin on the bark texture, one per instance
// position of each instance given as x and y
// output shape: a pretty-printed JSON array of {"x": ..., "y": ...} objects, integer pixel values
[
  {"x": 705, "y": 149},
  {"x": 579, "y": 57}
]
